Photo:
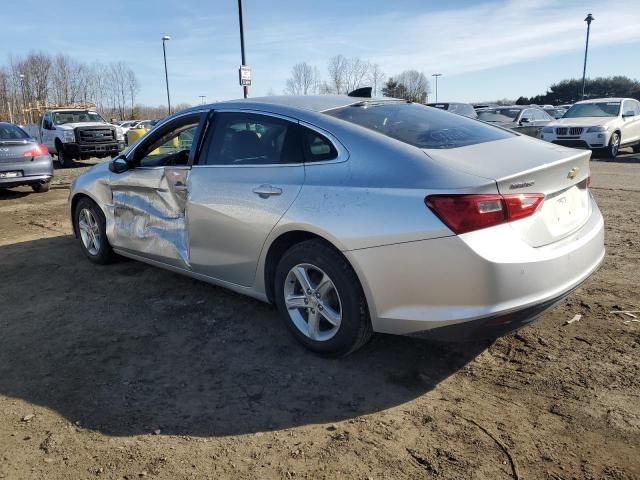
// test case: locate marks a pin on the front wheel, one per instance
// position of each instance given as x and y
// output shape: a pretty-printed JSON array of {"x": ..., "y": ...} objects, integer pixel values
[
  {"x": 320, "y": 299},
  {"x": 90, "y": 224},
  {"x": 64, "y": 159},
  {"x": 614, "y": 146}
]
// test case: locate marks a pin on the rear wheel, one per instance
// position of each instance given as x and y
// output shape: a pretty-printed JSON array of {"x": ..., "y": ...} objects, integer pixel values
[
  {"x": 320, "y": 299},
  {"x": 614, "y": 146},
  {"x": 41, "y": 187},
  {"x": 90, "y": 224}
]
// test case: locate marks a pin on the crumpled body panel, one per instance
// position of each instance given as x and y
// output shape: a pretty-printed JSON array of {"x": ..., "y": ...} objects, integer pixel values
[{"x": 149, "y": 214}]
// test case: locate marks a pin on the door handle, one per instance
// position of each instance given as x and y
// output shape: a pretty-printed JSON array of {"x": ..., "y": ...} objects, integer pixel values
[{"x": 266, "y": 191}]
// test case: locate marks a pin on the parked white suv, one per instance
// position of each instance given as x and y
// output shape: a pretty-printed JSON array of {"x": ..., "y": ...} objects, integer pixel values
[{"x": 600, "y": 124}]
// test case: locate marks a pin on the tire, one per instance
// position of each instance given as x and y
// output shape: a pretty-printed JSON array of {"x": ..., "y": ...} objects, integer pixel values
[
  {"x": 64, "y": 160},
  {"x": 343, "y": 296},
  {"x": 102, "y": 253},
  {"x": 614, "y": 146},
  {"x": 41, "y": 187}
]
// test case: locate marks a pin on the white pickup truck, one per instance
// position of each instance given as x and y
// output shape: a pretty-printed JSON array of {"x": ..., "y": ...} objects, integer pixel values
[{"x": 77, "y": 134}]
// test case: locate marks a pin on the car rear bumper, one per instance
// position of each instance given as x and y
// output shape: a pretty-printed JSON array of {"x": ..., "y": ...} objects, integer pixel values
[
  {"x": 477, "y": 285},
  {"x": 35, "y": 170}
]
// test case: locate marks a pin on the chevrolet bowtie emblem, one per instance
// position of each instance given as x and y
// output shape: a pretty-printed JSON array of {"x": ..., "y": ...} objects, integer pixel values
[{"x": 572, "y": 173}]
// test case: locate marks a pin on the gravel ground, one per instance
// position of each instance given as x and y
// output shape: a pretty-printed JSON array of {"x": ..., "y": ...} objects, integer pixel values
[{"x": 128, "y": 371}]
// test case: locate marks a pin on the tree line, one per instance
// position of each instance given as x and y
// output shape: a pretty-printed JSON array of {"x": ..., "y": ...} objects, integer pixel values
[
  {"x": 344, "y": 75},
  {"x": 570, "y": 90},
  {"x": 39, "y": 80}
]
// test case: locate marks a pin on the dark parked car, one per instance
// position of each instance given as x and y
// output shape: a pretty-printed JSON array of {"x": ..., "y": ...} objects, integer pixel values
[
  {"x": 522, "y": 119},
  {"x": 22, "y": 160},
  {"x": 463, "y": 109}
]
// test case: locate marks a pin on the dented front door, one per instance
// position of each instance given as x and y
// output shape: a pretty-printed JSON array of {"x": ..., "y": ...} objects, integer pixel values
[{"x": 149, "y": 213}]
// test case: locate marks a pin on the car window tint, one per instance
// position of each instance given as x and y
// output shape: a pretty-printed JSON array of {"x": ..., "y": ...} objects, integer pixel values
[
  {"x": 252, "y": 139},
  {"x": 419, "y": 125},
  {"x": 317, "y": 147}
]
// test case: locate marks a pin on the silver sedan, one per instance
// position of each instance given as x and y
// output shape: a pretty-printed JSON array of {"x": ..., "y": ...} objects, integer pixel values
[{"x": 351, "y": 215}]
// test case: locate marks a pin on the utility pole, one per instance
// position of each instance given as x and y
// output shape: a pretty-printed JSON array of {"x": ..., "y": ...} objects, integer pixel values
[
  {"x": 202, "y": 99},
  {"x": 24, "y": 100},
  {"x": 165, "y": 39},
  {"x": 245, "y": 87},
  {"x": 436, "y": 75},
  {"x": 589, "y": 19}
]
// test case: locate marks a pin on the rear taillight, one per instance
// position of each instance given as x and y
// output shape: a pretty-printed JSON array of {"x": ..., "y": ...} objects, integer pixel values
[
  {"x": 36, "y": 151},
  {"x": 465, "y": 213}
]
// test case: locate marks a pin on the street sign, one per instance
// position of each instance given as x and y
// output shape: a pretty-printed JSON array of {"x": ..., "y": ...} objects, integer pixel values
[{"x": 245, "y": 75}]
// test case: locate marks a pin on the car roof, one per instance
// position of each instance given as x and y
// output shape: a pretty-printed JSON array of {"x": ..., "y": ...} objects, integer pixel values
[
  {"x": 600, "y": 100},
  {"x": 313, "y": 103}
]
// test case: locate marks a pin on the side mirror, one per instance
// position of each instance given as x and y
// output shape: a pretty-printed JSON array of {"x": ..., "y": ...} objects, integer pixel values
[
  {"x": 47, "y": 125},
  {"x": 524, "y": 120},
  {"x": 119, "y": 165},
  {"x": 630, "y": 113}
]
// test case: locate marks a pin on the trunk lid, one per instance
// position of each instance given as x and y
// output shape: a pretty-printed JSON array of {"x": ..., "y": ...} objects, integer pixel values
[
  {"x": 525, "y": 165},
  {"x": 12, "y": 151}
]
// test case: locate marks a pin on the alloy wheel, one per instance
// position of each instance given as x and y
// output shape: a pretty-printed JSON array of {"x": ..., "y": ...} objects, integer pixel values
[
  {"x": 89, "y": 231},
  {"x": 312, "y": 302}
]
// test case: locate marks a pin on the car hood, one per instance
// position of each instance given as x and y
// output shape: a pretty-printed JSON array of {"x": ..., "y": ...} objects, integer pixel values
[
  {"x": 69, "y": 126},
  {"x": 581, "y": 121}
]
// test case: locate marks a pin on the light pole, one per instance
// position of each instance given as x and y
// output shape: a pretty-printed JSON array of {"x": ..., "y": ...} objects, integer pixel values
[
  {"x": 245, "y": 88},
  {"x": 24, "y": 101},
  {"x": 589, "y": 19},
  {"x": 165, "y": 39},
  {"x": 202, "y": 99},
  {"x": 436, "y": 75}
]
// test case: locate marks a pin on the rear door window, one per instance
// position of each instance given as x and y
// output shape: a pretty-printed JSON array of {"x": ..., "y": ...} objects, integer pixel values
[{"x": 418, "y": 125}]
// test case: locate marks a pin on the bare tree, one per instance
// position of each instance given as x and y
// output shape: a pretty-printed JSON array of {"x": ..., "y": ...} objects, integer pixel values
[
  {"x": 337, "y": 69},
  {"x": 133, "y": 87},
  {"x": 346, "y": 74},
  {"x": 304, "y": 80},
  {"x": 410, "y": 85},
  {"x": 376, "y": 78}
]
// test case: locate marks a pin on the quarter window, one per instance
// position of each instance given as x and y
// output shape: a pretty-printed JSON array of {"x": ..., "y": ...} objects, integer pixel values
[
  {"x": 317, "y": 147},
  {"x": 252, "y": 139}
]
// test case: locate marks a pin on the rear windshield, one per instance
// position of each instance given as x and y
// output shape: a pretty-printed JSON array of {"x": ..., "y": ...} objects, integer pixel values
[
  {"x": 419, "y": 125},
  {"x": 11, "y": 132}
]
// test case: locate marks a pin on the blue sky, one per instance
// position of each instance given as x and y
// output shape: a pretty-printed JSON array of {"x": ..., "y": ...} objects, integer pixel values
[{"x": 485, "y": 49}]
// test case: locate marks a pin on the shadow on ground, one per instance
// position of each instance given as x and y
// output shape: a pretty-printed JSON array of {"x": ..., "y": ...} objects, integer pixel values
[{"x": 127, "y": 349}]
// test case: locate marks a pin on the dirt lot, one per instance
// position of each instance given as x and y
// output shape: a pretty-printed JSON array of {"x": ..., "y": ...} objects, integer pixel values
[{"x": 128, "y": 371}]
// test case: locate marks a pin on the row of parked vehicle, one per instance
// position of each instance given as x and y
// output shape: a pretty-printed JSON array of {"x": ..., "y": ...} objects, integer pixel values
[{"x": 603, "y": 125}]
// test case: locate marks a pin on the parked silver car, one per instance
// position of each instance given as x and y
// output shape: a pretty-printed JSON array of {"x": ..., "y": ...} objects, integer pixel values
[
  {"x": 352, "y": 215},
  {"x": 23, "y": 161}
]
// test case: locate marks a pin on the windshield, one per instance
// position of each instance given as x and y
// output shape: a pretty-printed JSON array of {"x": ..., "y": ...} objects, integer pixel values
[
  {"x": 76, "y": 116},
  {"x": 11, "y": 132},
  {"x": 502, "y": 115},
  {"x": 419, "y": 125},
  {"x": 598, "y": 109}
]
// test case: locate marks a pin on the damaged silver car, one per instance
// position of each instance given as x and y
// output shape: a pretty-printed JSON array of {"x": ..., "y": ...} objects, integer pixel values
[{"x": 351, "y": 215}]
